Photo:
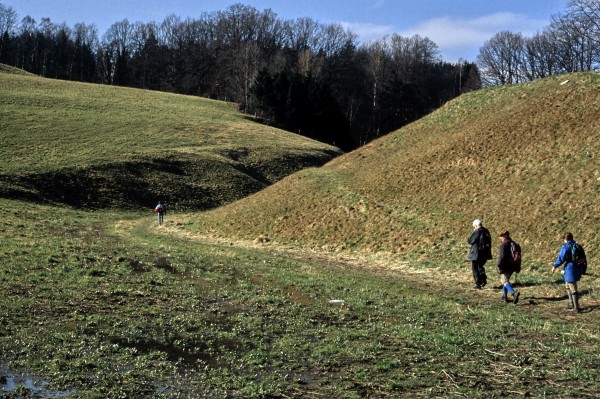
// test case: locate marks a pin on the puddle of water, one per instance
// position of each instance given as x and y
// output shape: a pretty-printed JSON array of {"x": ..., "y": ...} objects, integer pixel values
[
  {"x": 185, "y": 358},
  {"x": 35, "y": 387}
]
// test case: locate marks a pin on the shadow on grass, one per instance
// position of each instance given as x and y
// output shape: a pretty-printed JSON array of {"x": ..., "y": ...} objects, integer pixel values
[{"x": 560, "y": 298}]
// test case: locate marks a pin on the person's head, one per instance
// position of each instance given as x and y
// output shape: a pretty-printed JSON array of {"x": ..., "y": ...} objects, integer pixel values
[
  {"x": 505, "y": 235},
  {"x": 568, "y": 237},
  {"x": 477, "y": 223}
]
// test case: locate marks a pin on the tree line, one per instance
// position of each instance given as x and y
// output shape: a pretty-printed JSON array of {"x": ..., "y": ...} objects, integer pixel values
[
  {"x": 301, "y": 75},
  {"x": 310, "y": 78},
  {"x": 571, "y": 43}
]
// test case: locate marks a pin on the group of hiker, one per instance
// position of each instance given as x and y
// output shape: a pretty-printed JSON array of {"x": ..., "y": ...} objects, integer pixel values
[
  {"x": 509, "y": 260},
  {"x": 571, "y": 255}
]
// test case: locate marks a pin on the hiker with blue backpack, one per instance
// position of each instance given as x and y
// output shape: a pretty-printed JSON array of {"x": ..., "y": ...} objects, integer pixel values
[
  {"x": 573, "y": 257},
  {"x": 160, "y": 211},
  {"x": 509, "y": 262}
]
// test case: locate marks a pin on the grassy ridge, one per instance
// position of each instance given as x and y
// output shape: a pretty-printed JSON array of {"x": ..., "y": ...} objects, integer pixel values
[
  {"x": 94, "y": 145},
  {"x": 522, "y": 158}
]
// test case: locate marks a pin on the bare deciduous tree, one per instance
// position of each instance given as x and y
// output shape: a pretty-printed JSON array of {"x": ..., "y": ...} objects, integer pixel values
[
  {"x": 539, "y": 58},
  {"x": 410, "y": 53},
  {"x": 501, "y": 59},
  {"x": 377, "y": 64},
  {"x": 8, "y": 19},
  {"x": 571, "y": 43}
]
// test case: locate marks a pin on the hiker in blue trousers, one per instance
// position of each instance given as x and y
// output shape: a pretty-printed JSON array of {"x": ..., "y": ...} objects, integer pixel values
[{"x": 507, "y": 266}]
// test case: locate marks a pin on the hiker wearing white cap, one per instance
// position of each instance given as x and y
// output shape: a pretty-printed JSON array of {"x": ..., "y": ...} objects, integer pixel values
[{"x": 480, "y": 253}]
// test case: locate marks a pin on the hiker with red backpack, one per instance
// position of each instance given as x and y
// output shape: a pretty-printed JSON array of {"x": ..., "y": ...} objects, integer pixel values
[
  {"x": 509, "y": 262},
  {"x": 573, "y": 257},
  {"x": 160, "y": 211}
]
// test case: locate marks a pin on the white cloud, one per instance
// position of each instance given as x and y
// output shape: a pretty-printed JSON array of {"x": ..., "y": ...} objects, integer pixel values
[
  {"x": 460, "y": 37},
  {"x": 368, "y": 32},
  {"x": 456, "y": 37}
]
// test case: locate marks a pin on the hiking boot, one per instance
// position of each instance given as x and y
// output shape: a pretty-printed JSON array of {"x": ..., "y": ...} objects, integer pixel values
[
  {"x": 477, "y": 287},
  {"x": 576, "y": 307},
  {"x": 570, "y": 306},
  {"x": 504, "y": 299},
  {"x": 516, "y": 297}
]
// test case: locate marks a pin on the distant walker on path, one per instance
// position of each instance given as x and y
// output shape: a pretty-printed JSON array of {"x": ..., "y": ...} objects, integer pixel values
[{"x": 160, "y": 211}]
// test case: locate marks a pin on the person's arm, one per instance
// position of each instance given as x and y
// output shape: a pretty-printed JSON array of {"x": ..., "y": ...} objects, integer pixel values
[
  {"x": 561, "y": 257},
  {"x": 474, "y": 237},
  {"x": 501, "y": 253}
]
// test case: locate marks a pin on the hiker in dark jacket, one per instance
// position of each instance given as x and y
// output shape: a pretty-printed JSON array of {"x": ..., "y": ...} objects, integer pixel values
[
  {"x": 571, "y": 273},
  {"x": 480, "y": 253},
  {"x": 506, "y": 267}
]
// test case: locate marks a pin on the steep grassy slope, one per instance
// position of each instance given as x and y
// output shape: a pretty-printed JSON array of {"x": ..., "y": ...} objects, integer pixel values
[
  {"x": 523, "y": 158},
  {"x": 94, "y": 146}
]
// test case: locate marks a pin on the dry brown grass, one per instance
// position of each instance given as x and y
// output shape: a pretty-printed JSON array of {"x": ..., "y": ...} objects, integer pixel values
[{"x": 522, "y": 158}]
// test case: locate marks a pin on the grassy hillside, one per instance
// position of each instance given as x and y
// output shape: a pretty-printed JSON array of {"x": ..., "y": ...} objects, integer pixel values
[
  {"x": 95, "y": 146},
  {"x": 523, "y": 158}
]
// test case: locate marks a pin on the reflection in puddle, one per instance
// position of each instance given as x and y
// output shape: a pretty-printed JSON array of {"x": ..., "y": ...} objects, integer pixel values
[
  {"x": 194, "y": 355},
  {"x": 23, "y": 384}
]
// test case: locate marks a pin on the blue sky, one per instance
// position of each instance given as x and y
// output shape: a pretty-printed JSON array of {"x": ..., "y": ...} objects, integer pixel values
[{"x": 458, "y": 27}]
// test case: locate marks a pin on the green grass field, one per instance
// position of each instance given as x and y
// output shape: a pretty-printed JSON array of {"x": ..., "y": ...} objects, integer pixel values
[
  {"x": 100, "y": 302},
  {"x": 109, "y": 305}
]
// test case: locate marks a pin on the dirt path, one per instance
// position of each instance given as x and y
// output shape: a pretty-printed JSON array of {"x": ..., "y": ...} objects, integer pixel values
[{"x": 548, "y": 299}]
